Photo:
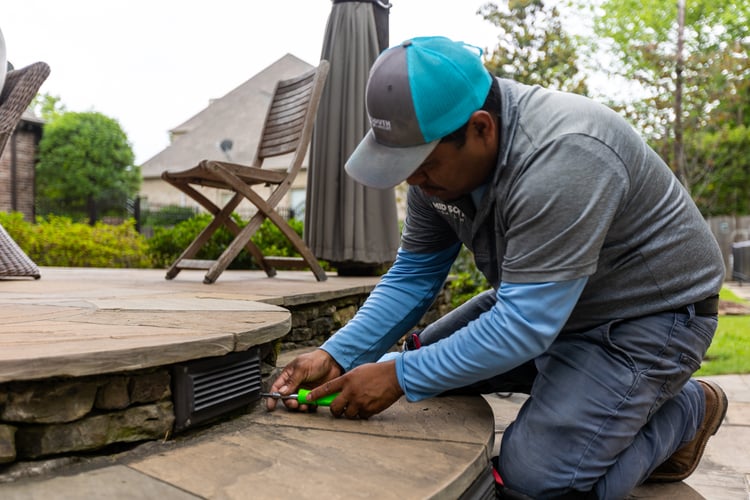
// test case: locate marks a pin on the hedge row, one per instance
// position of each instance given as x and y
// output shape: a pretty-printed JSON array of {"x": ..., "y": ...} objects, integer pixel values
[{"x": 58, "y": 241}]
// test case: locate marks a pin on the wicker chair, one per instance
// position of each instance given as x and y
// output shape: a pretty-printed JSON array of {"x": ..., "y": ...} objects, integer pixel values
[
  {"x": 13, "y": 261},
  {"x": 20, "y": 87}
]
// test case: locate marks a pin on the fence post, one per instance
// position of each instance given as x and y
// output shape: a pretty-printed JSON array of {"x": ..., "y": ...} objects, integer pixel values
[{"x": 137, "y": 213}]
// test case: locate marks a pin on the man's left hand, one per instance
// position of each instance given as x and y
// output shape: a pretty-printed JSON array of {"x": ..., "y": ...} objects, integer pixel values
[{"x": 364, "y": 391}]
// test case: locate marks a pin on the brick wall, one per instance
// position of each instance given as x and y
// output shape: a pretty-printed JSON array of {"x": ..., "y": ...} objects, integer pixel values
[{"x": 24, "y": 143}]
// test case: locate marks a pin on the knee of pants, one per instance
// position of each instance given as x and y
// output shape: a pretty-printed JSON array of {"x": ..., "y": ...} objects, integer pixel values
[{"x": 531, "y": 467}]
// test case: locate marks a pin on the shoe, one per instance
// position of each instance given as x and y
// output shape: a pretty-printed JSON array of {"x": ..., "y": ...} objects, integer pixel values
[{"x": 683, "y": 462}]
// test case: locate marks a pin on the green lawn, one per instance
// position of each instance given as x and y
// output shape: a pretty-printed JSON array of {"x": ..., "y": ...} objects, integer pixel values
[{"x": 730, "y": 350}]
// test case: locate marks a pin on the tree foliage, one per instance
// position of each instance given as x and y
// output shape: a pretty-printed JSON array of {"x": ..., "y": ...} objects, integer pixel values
[
  {"x": 642, "y": 36},
  {"x": 47, "y": 106},
  {"x": 723, "y": 184},
  {"x": 643, "y": 40},
  {"x": 533, "y": 47},
  {"x": 85, "y": 166}
]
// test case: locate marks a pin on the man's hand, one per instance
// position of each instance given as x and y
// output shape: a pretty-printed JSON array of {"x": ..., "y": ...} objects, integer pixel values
[
  {"x": 311, "y": 369},
  {"x": 365, "y": 391}
]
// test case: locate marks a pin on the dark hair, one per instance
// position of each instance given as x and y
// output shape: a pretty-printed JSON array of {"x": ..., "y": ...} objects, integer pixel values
[{"x": 491, "y": 104}]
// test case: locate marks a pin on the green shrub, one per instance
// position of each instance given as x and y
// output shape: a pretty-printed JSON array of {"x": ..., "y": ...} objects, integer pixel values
[
  {"x": 167, "y": 244},
  {"x": 467, "y": 280},
  {"x": 270, "y": 239},
  {"x": 18, "y": 229},
  {"x": 58, "y": 241}
]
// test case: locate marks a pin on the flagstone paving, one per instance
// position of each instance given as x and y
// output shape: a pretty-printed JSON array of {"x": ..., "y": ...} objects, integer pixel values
[{"x": 430, "y": 449}]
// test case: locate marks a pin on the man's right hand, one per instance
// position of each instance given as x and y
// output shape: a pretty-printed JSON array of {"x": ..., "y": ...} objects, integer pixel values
[{"x": 310, "y": 369}]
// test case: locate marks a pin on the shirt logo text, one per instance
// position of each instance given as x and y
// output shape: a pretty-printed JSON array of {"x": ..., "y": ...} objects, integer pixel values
[{"x": 449, "y": 210}]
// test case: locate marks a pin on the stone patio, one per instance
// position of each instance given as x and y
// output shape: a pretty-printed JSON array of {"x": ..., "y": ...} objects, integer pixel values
[{"x": 79, "y": 323}]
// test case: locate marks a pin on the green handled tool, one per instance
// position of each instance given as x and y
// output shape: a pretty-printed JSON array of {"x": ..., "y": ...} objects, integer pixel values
[{"x": 301, "y": 397}]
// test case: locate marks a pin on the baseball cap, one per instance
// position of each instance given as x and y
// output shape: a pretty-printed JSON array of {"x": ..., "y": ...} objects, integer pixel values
[{"x": 417, "y": 93}]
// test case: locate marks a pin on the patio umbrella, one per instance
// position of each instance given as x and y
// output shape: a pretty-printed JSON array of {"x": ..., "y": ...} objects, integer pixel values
[
  {"x": 3, "y": 63},
  {"x": 353, "y": 227}
]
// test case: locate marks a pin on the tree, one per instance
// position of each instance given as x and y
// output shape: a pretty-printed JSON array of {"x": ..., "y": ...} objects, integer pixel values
[
  {"x": 47, "y": 106},
  {"x": 686, "y": 70},
  {"x": 724, "y": 187},
  {"x": 85, "y": 166},
  {"x": 720, "y": 151},
  {"x": 533, "y": 47}
]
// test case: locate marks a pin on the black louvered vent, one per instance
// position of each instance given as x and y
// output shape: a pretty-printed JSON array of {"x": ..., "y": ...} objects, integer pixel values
[{"x": 208, "y": 388}]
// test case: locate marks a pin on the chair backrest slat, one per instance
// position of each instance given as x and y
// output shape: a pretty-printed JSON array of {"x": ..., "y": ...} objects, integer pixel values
[
  {"x": 276, "y": 130},
  {"x": 291, "y": 114},
  {"x": 285, "y": 118}
]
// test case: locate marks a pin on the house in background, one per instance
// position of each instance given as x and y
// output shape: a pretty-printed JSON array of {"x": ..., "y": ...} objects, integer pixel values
[
  {"x": 234, "y": 122},
  {"x": 17, "y": 167}
]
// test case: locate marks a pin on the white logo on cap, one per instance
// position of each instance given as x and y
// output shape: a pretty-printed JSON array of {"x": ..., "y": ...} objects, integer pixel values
[{"x": 380, "y": 123}]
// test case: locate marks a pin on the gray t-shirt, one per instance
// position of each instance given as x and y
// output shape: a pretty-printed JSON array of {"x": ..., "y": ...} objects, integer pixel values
[{"x": 577, "y": 192}]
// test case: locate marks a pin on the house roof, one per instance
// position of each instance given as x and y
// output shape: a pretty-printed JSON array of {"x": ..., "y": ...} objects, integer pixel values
[
  {"x": 237, "y": 116},
  {"x": 29, "y": 116}
]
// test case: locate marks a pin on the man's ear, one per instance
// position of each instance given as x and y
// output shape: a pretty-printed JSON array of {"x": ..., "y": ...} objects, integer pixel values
[{"x": 482, "y": 126}]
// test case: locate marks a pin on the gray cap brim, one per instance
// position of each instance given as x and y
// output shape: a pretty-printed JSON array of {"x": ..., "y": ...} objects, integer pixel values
[{"x": 383, "y": 167}]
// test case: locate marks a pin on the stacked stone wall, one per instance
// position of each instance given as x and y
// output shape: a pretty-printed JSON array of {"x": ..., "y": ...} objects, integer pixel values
[{"x": 58, "y": 417}]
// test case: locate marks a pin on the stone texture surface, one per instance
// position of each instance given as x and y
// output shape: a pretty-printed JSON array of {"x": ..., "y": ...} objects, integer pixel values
[
  {"x": 50, "y": 417},
  {"x": 113, "y": 394},
  {"x": 431, "y": 449},
  {"x": 136, "y": 321},
  {"x": 7, "y": 444},
  {"x": 75, "y": 323},
  {"x": 49, "y": 403},
  {"x": 116, "y": 482},
  {"x": 262, "y": 454},
  {"x": 134, "y": 424},
  {"x": 340, "y": 465},
  {"x": 149, "y": 387}
]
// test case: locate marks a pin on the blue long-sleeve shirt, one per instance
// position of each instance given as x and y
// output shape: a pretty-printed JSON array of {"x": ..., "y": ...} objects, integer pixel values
[{"x": 521, "y": 326}]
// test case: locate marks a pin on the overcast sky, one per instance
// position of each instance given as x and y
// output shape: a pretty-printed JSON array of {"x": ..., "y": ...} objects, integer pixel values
[{"x": 152, "y": 64}]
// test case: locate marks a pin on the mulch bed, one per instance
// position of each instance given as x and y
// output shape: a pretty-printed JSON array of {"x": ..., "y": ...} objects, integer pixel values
[{"x": 733, "y": 308}]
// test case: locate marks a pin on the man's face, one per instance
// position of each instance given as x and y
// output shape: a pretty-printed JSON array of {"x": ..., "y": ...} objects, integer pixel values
[{"x": 450, "y": 172}]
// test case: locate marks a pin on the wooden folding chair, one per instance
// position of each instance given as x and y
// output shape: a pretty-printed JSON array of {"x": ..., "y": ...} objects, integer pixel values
[
  {"x": 287, "y": 129},
  {"x": 20, "y": 87}
]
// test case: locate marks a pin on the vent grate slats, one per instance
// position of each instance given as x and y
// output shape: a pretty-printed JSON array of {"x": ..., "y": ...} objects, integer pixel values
[
  {"x": 205, "y": 389},
  {"x": 229, "y": 389},
  {"x": 201, "y": 381}
]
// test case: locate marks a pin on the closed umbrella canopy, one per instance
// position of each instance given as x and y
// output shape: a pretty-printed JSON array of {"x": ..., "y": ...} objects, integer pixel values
[
  {"x": 347, "y": 224},
  {"x": 3, "y": 61}
]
